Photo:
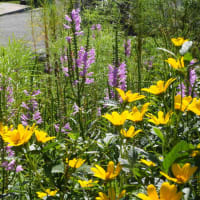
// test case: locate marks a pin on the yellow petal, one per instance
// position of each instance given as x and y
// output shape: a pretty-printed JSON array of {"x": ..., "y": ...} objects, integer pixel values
[
  {"x": 151, "y": 191},
  {"x": 99, "y": 172}
]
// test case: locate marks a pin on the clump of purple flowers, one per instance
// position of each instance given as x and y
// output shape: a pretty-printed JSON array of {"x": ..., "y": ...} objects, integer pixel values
[
  {"x": 83, "y": 62},
  {"x": 65, "y": 129},
  {"x": 96, "y": 27},
  {"x": 127, "y": 48},
  {"x": 6, "y": 88},
  {"x": 117, "y": 78},
  {"x": 10, "y": 163},
  {"x": 32, "y": 113},
  {"x": 192, "y": 79},
  {"x": 74, "y": 21}
]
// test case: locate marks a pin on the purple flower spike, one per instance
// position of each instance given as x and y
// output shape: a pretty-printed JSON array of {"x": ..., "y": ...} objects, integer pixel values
[
  {"x": 10, "y": 165},
  {"x": 98, "y": 26},
  {"x": 76, "y": 109},
  {"x": 93, "y": 27},
  {"x": 57, "y": 127},
  {"x": 127, "y": 48},
  {"x": 68, "y": 38},
  {"x": 67, "y": 126},
  {"x": 65, "y": 70},
  {"x": 89, "y": 81},
  {"x": 68, "y": 18},
  {"x": 19, "y": 168},
  {"x": 24, "y": 106},
  {"x": 36, "y": 92},
  {"x": 66, "y": 26},
  {"x": 79, "y": 33}
]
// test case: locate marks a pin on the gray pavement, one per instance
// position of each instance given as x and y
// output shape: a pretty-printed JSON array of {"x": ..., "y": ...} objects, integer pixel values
[{"x": 18, "y": 26}]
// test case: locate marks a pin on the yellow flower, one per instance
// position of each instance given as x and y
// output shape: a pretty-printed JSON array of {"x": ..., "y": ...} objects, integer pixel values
[
  {"x": 51, "y": 193},
  {"x": 117, "y": 119},
  {"x": 196, "y": 152},
  {"x": 182, "y": 174},
  {"x": 182, "y": 105},
  {"x": 178, "y": 41},
  {"x": 47, "y": 192},
  {"x": 75, "y": 163},
  {"x": 176, "y": 64},
  {"x": 130, "y": 133},
  {"x": 41, "y": 195},
  {"x": 41, "y": 136},
  {"x": 160, "y": 87},
  {"x": 111, "y": 173},
  {"x": 111, "y": 195},
  {"x": 194, "y": 106},
  {"x": 89, "y": 183},
  {"x": 129, "y": 96},
  {"x": 167, "y": 192},
  {"x": 160, "y": 119},
  {"x": 148, "y": 163},
  {"x": 136, "y": 115},
  {"x": 17, "y": 137}
]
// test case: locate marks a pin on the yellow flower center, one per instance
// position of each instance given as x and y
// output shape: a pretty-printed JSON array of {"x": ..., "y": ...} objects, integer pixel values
[{"x": 181, "y": 179}]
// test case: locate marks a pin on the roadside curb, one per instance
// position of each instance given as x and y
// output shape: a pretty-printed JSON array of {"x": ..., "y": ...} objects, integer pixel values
[{"x": 16, "y": 11}]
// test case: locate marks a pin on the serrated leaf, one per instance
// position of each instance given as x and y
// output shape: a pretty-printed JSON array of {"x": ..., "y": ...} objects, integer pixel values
[
  {"x": 176, "y": 152},
  {"x": 58, "y": 168},
  {"x": 159, "y": 134}
]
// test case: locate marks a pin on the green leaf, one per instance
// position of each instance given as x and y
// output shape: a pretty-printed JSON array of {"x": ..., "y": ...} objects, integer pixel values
[
  {"x": 48, "y": 146},
  {"x": 159, "y": 134},
  {"x": 176, "y": 152},
  {"x": 73, "y": 136},
  {"x": 188, "y": 56},
  {"x": 58, "y": 168}
]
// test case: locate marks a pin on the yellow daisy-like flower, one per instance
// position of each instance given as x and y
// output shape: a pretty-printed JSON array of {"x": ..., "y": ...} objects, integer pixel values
[
  {"x": 75, "y": 163},
  {"x": 160, "y": 87},
  {"x": 117, "y": 119},
  {"x": 149, "y": 163},
  {"x": 111, "y": 172},
  {"x": 181, "y": 103},
  {"x": 41, "y": 136},
  {"x": 136, "y": 115},
  {"x": 194, "y": 106},
  {"x": 111, "y": 195},
  {"x": 129, "y": 96},
  {"x": 86, "y": 184},
  {"x": 161, "y": 119},
  {"x": 178, "y": 41},
  {"x": 130, "y": 133},
  {"x": 17, "y": 137},
  {"x": 47, "y": 192},
  {"x": 176, "y": 64},
  {"x": 182, "y": 174},
  {"x": 167, "y": 192}
]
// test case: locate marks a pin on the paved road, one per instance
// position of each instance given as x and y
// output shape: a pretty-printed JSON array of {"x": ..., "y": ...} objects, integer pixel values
[{"x": 18, "y": 26}]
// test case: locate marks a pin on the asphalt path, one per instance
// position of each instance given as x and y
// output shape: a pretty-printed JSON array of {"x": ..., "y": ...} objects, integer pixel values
[{"x": 18, "y": 27}]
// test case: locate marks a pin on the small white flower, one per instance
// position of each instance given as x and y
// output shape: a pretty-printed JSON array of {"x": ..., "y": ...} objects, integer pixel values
[{"x": 185, "y": 47}]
